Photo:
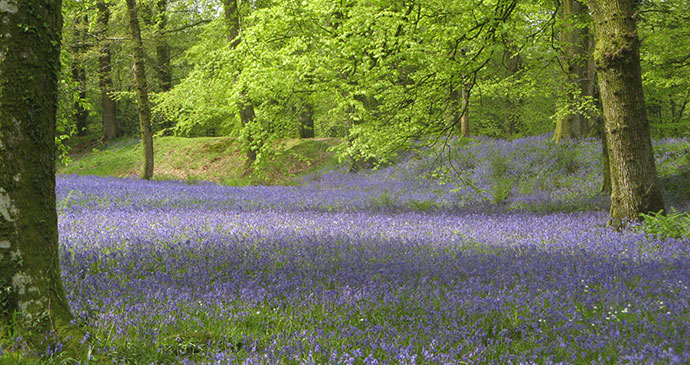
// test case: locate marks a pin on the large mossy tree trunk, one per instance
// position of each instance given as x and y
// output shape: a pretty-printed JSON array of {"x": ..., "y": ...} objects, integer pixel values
[
  {"x": 634, "y": 181},
  {"x": 31, "y": 289},
  {"x": 142, "y": 90},
  {"x": 576, "y": 53},
  {"x": 105, "y": 78}
]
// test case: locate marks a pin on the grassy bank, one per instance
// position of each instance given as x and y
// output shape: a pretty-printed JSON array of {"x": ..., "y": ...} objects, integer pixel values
[{"x": 217, "y": 159}]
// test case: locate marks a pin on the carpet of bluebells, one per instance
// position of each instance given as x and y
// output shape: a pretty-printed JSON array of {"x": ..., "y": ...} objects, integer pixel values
[{"x": 502, "y": 256}]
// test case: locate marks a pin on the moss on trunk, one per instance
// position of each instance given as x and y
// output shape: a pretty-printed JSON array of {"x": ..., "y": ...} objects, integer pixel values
[
  {"x": 142, "y": 90},
  {"x": 32, "y": 288},
  {"x": 634, "y": 182}
]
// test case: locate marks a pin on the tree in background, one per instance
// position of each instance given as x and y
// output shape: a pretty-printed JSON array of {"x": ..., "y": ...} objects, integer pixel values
[
  {"x": 665, "y": 28},
  {"x": 574, "y": 121},
  {"x": 634, "y": 181},
  {"x": 142, "y": 90},
  {"x": 32, "y": 297},
  {"x": 109, "y": 115},
  {"x": 79, "y": 47}
]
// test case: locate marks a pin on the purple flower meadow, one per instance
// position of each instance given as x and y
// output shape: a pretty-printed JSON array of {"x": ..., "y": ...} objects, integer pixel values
[{"x": 408, "y": 264}]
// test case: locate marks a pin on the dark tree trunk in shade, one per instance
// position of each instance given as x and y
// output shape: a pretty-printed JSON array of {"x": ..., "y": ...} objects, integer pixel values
[
  {"x": 35, "y": 304},
  {"x": 105, "y": 78},
  {"x": 163, "y": 69},
  {"x": 513, "y": 64},
  {"x": 635, "y": 185},
  {"x": 247, "y": 117},
  {"x": 81, "y": 115},
  {"x": 306, "y": 121},
  {"x": 465, "y": 119},
  {"x": 142, "y": 90},
  {"x": 576, "y": 42}
]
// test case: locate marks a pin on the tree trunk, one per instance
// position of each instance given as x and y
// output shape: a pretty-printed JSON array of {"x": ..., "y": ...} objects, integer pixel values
[
  {"x": 32, "y": 290},
  {"x": 246, "y": 107},
  {"x": 634, "y": 181},
  {"x": 247, "y": 117},
  {"x": 513, "y": 64},
  {"x": 576, "y": 53},
  {"x": 142, "y": 90},
  {"x": 306, "y": 122},
  {"x": 163, "y": 70},
  {"x": 465, "y": 119},
  {"x": 460, "y": 111},
  {"x": 232, "y": 21},
  {"x": 105, "y": 79},
  {"x": 81, "y": 115}
]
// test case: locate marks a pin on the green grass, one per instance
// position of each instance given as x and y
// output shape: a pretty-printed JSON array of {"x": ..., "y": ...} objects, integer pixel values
[{"x": 217, "y": 159}]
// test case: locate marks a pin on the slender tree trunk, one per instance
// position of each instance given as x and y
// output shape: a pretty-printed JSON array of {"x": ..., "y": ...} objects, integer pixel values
[
  {"x": 605, "y": 163},
  {"x": 306, "y": 121},
  {"x": 247, "y": 117},
  {"x": 576, "y": 53},
  {"x": 81, "y": 115},
  {"x": 105, "y": 78},
  {"x": 634, "y": 181},
  {"x": 163, "y": 70},
  {"x": 513, "y": 64},
  {"x": 32, "y": 289},
  {"x": 459, "y": 101},
  {"x": 246, "y": 107},
  {"x": 465, "y": 119},
  {"x": 142, "y": 90}
]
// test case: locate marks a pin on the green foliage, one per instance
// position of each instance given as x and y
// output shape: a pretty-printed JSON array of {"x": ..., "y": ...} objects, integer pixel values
[
  {"x": 673, "y": 224},
  {"x": 664, "y": 55},
  {"x": 380, "y": 74},
  {"x": 501, "y": 189},
  {"x": 384, "y": 201}
]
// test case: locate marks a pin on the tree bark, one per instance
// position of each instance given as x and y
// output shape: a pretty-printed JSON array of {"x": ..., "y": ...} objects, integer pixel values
[
  {"x": 81, "y": 115},
  {"x": 32, "y": 289},
  {"x": 232, "y": 21},
  {"x": 245, "y": 105},
  {"x": 576, "y": 53},
  {"x": 634, "y": 181},
  {"x": 105, "y": 78},
  {"x": 306, "y": 121},
  {"x": 513, "y": 64},
  {"x": 459, "y": 101},
  {"x": 247, "y": 117},
  {"x": 163, "y": 70},
  {"x": 142, "y": 90},
  {"x": 465, "y": 119}
]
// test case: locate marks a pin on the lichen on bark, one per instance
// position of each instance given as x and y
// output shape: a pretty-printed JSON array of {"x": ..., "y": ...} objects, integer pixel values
[
  {"x": 635, "y": 187},
  {"x": 31, "y": 289}
]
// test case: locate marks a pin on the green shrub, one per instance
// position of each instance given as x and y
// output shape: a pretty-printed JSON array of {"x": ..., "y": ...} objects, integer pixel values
[
  {"x": 674, "y": 224},
  {"x": 501, "y": 189}
]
